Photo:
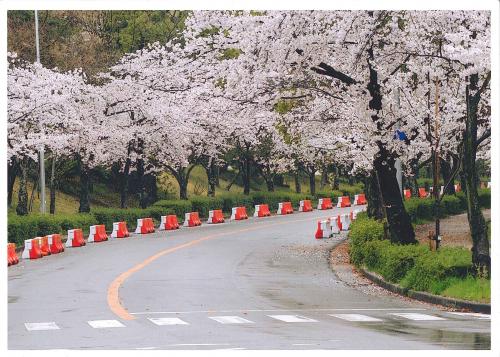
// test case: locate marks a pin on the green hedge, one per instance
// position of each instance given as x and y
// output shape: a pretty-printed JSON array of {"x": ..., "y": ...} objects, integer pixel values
[
  {"x": 412, "y": 266},
  {"x": 423, "y": 208},
  {"x": 177, "y": 207},
  {"x": 21, "y": 228}
]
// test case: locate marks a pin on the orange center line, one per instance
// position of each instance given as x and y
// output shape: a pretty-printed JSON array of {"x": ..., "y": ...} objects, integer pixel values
[{"x": 113, "y": 296}]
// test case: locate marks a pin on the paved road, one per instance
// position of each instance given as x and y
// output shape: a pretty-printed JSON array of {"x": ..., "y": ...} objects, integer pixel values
[{"x": 256, "y": 284}]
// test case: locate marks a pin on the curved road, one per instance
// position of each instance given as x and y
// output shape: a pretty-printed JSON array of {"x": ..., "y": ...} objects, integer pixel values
[{"x": 263, "y": 283}]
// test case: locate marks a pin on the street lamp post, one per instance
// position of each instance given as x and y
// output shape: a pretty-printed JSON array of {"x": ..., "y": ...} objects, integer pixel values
[{"x": 42, "y": 149}]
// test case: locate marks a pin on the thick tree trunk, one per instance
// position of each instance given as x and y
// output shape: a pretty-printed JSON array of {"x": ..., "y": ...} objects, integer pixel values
[
  {"x": 22, "y": 196},
  {"x": 335, "y": 183},
  {"x": 374, "y": 209},
  {"x": 12, "y": 171},
  {"x": 152, "y": 191},
  {"x": 400, "y": 228},
  {"x": 479, "y": 231},
  {"x": 217, "y": 176},
  {"x": 84, "y": 189},
  {"x": 183, "y": 183},
  {"x": 246, "y": 176},
  {"x": 296, "y": 177},
  {"x": 53, "y": 186}
]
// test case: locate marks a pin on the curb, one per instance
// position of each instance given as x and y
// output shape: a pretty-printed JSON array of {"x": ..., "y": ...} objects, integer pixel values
[{"x": 426, "y": 297}]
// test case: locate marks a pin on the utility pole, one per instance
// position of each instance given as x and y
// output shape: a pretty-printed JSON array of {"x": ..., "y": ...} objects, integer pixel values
[
  {"x": 41, "y": 158},
  {"x": 397, "y": 163}
]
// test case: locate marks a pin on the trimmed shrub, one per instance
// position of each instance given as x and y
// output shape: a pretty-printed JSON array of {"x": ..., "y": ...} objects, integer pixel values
[
  {"x": 485, "y": 197},
  {"x": 204, "y": 204},
  {"x": 177, "y": 207}
]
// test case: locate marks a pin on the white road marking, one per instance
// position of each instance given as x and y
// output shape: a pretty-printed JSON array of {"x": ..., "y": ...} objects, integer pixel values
[
  {"x": 41, "y": 326},
  {"x": 162, "y": 321},
  {"x": 302, "y": 344},
  {"x": 231, "y": 320},
  {"x": 472, "y": 314},
  {"x": 418, "y": 317},
  {"x": 145, "y": 348},
  {"x": 105, "y": 323},
  {"x": 356, "y": 317},
  {"x": 268, "y": 310},
  {"x": 200, "y": 344},
  {"x": 292, "y": 318}
]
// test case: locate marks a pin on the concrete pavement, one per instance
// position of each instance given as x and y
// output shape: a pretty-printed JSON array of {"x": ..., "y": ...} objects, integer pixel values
[{"x": 257, "y": 284}]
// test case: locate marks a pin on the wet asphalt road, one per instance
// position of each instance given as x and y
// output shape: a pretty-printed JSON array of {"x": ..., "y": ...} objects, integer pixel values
[{"x": 256, "y": 284}]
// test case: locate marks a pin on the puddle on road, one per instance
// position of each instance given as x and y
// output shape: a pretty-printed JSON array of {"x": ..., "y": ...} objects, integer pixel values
[{"x": 441, "y": 337}]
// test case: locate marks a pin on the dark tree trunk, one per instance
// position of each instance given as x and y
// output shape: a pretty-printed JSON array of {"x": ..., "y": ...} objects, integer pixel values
[
  {"x": 279, "y": 180},
  {"x": 312, "y": 181},
  {"x": 296, "y": 176},
  {"x": 270, "y": 185},
  {"x": 152, "y": 192},
  {"x": 143, "y": 202},
  {"x": 479, "y": 231},
  {"x": 53, "y": 186},
  {"x": 183, "y": 183},
  {"x": 12, "y": 171},
  {"x": 211, "y": 170},
  {"x": 374, "y": 209},
  {"x": 446, "y": 172},
  {"x": 84, "y": 188},
  {"x": 400, "y": 228},
  {"x": 22, "y": 196},
  {"x": 217, "y": 176},
  {"x": 245, "y": 175},
  {"x": 324, "y": 178},
  {"x": 124, "y": 184},
  {"x": 335, "y": 183},
  {"x": 181, "y": 174}
]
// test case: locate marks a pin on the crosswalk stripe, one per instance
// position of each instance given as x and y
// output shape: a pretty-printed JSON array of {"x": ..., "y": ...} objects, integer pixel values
[
  {"x": 356, "y": 317},
  {"x": 41, "y": 326},
  {"x": 417, "y": 317},
  {"x": 472, "y": 314},
  {"x": 292, "y": 318},
  {"x": 231, "y": 320},
  {"x": 105, "y": 323},
  {"x": 163, "y": 321}
]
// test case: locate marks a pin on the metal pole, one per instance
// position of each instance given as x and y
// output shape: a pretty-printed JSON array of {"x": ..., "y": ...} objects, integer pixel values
[
  {"x": 397, "y": 164},
  {"x": 42, "y": 149}
]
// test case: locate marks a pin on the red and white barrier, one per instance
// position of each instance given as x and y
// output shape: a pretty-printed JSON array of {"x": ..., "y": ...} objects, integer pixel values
[
  {"x": 458, "y": 188},
  {"x": 215, "y": 216},
  {"x": 31, "y": 249},
  {"x": 44, "y": 245},
  {"x": 407, "y": 194},
  {"x": 335, "y": 225},
  {"x": 97, "y": 234},
  {"x": 120, "y": 230},
  {"x": 360, "y": 199},
  {"x": 285, "y": 208},
  {"x": 305, "y": 206},
  {"x": 145, "y": 226},
  {"x": 239, "y": 213},
  {"x": 262, "y": 210},
  {"x": 344, "y": 201},
  {"x": 421, "y": 192},
  {"x": 12, "y": 257},
  {"x": 55, "y": 243},
  {"x": 169, "y": 222},
  {"x": 325, "y": 203},
  {"x": 192, "y": 219},
  {"x": 345, "y": 222},
  {"x": 324, "y": 230},
  {"x": 75, "y": 238}
]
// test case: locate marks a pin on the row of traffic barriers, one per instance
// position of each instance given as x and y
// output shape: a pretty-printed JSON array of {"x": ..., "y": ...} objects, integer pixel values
[
  {"x": 39, "y": 247},
  {"x": 332, "y": 226},
  {"x": 423, "y": 193}
]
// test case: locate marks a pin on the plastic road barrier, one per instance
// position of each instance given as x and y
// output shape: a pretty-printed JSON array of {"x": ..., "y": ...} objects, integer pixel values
[
  {"x": 145, "y": 226},
  {"x": 324, "y": 230},
  {"x": 239, "y": 213},
  {"x": 31, "y": 249},
  {"x": 169, "y": 222},
  {"x": 97, "y": 234},
  {"x": 192, "y": 219},
  {"x": 360, "y": 199},
  {"x": 262, "y": 210},
  {"x": 215, "y": 216},
  {"x": 325, "y": 203},
  {"x": 120, "y": 230},
  {"x": 285, "y": 208},
  {"x": 12, "y": 257},
  {"x": 305, "y": 206},
  {"x": 75, "y": 238},
  {"x": 55, "y": 243},
  {"x": 344, "y": 201}
]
